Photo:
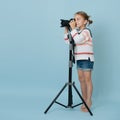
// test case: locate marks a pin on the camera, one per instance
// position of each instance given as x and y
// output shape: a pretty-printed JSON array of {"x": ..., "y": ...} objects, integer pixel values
[{"x": 65, "y": 23}]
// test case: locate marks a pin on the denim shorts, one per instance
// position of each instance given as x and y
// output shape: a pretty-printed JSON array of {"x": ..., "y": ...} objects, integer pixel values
[{"x": 85, "y": 64}]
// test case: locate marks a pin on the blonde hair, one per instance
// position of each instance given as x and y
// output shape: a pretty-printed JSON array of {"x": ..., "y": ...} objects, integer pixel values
[{"x": 85, "y": 16}]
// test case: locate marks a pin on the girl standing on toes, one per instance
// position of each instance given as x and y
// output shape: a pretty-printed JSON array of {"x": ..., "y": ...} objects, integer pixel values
[{"x": 84, "y": 55}]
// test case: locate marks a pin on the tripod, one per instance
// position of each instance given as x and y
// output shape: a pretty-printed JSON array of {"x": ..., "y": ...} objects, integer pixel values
[{"x": 70, "y": 84}]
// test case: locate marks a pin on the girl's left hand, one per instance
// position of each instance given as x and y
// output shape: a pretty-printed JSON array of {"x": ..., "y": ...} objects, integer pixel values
[{"x": 72, "y": 24}]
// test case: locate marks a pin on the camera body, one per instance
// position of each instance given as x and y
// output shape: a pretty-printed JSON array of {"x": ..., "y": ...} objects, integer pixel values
[{"x": 65, "y": 23}]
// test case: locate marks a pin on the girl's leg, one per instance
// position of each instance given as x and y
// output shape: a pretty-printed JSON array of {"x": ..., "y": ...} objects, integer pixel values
[
  {"x": 83, "y": 86},
  {"x": 88, "y": 81}
]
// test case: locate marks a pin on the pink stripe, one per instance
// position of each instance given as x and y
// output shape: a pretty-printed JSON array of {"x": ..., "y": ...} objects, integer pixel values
[
  {"x": 90, "y": 40},
  {"x": 84, "y": 53},
  {"x": 65, "y": 38},
  {"x": 74, "y": 35},
  {"x": 84, "y": 44}
]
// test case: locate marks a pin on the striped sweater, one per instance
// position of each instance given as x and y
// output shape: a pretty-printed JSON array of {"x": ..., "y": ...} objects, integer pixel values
[{"x": 83, "y": 44}]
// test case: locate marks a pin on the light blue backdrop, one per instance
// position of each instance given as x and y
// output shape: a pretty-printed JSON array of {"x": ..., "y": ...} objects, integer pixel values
[{"x": 34, "y": 57}]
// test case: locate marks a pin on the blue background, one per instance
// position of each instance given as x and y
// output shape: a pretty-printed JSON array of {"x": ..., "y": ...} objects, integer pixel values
[{"x": 34, "y": 59}]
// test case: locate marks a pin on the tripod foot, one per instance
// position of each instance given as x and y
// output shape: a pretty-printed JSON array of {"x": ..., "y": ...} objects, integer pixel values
[{"x": 54, "y": 100}]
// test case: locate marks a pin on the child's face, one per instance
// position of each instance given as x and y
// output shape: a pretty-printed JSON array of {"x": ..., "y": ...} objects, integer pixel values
[{"x": 80, "y": 21}]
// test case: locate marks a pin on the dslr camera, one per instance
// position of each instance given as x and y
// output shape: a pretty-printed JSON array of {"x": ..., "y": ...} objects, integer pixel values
[{"x": 65, "y": 23}]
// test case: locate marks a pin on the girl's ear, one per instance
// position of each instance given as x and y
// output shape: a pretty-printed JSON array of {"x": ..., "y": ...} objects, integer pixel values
[{"x": 85, "y": 22}]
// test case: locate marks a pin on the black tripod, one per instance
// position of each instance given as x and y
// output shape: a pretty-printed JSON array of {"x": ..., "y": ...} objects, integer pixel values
[{"x": 70, "y": 84}]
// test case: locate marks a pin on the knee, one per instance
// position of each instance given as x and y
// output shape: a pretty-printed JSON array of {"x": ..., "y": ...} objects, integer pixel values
[
  {"x": 81, "y": 78},
  {"x": 87, "y": 79}
]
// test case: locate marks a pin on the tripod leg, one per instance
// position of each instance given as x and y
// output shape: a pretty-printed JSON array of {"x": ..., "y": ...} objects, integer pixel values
[
  {"x": 70, "y": 100},
  {"x": 55, "y": 98},
  {"x": 82, "y": 99}
]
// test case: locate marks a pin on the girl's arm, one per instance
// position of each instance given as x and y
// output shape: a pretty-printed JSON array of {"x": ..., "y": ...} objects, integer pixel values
[
  {"x": 66, "y": 36},
  {"x": 80, "y": 38}
]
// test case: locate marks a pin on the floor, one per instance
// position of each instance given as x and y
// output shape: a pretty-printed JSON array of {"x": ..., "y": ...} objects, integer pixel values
[{"x": 30, "y": 104}]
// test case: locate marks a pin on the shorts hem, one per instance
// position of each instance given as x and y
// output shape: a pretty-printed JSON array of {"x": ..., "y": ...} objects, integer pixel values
[{"x": 85, "y": 69}]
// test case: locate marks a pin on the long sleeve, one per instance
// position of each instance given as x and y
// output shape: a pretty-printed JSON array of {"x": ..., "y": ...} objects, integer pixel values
[
  {"x": 83, "y": 44},
  {"x": 66, "y": 38},
  {"x": 80, "y": 38}
]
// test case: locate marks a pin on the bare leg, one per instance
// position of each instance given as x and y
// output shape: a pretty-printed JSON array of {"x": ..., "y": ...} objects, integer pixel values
[
  {"x": 87, "y": 76},
  {"x": 83, "y": 86}
]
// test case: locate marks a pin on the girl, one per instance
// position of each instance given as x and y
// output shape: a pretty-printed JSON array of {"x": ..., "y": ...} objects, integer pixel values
[{"x": 84, "y": 55}]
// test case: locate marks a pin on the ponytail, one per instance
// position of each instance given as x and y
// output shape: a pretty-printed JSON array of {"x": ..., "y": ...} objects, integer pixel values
[{"x": 90, "y": 21}]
